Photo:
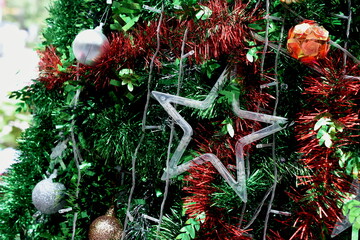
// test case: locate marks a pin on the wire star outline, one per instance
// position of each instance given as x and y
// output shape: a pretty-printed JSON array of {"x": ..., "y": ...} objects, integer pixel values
[{"x": 239, "y": 184}]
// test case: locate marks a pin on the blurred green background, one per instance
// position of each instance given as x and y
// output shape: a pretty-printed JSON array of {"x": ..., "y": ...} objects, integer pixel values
[{"x": 21, "y": 23}]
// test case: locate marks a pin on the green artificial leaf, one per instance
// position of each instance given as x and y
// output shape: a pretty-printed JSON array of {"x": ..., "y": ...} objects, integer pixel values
[
  {"x": 355, "y": 171},
  {"x": 85, "y": 166},
  {"x": 255, "y": 26},
  {"x": 328, "y": 140},
  {"x": 158, "y": 193},
  {"x": 204, "y": 13},
  {"x": 115, "y": 83},
  {"x": 230, "y": 129},
  {"x": 339, "y": 126},
  {"x": 351, "y": 219},
  {"x": 321, "y": 133},
  {"x": 130, "y": 87},
  {"x": 209, "y": 67},
  {"x": 349, "y": 166},
  {"x": 356, "y": 224},
  {"x": 321, "y": 122},
  {"x": 201, "y": 217},
  {"x": 139, "y": 201},
  {"x": 183, "y": 236},
  {"x": 190, "y": 230},
  {"x": 251, "y": 55},
  {"x": 84, "y": 214},
  {"x": 126, "y": 71},
  {"x": 355, "y": 211},
  {"x": 129, "y": 22}
]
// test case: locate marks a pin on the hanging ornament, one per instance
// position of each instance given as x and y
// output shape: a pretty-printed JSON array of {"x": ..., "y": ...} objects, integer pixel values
[
  {"x": 106, "y": 227},
  {"x": 47, "y": 196},
  {"x": 308, "y": 41},
  {"x": 89, "y": 45}
]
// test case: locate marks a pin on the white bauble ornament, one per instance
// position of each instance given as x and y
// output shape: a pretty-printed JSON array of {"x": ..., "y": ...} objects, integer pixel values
[
  {"x": 89, "y": 44},
  {"x": 47, "y": 196}
]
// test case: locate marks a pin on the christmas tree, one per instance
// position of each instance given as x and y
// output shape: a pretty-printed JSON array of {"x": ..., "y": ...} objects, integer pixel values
[{"x": 184, "y": 119}]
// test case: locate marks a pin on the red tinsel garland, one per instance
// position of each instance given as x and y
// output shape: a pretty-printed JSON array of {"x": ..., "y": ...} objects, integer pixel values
[
  {"x": 335, "y": 92},
  {"x": 49, "y": 69},
  {"x": 223, "y": 34},
  {"x": 201, "y": 178}
]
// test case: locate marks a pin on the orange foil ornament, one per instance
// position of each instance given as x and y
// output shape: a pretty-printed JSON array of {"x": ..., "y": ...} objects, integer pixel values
[{"x": 308, "y": 41}]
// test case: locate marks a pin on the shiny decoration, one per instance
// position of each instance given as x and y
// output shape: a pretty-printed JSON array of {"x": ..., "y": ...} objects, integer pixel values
[
  {"x": 106, "y": 227},
  {"x": 47, "y": 196},
  {"x": 308, "y": 41},
  {"x": 88, "y": 45},
  {"x": 238, "y": 184}
]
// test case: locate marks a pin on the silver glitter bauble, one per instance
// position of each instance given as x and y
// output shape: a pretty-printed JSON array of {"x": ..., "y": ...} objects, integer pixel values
[
  {"x": 47, "y": 196},
  {"x": 106, "y": 227},
  {"x": 88, "y": 45}
]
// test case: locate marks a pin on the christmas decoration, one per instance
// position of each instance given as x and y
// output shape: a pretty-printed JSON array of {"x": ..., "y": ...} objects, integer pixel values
[
  {"x": 308, "y": 41},
  {"x": 106, "y": 227},
  {"x": 322, "y": 131},
  {"x": 88, "y": 45},
  {"x": 47, "y": 196},
  {"x": 202, "y": 87},
  {"x": 166, "y": 99}
]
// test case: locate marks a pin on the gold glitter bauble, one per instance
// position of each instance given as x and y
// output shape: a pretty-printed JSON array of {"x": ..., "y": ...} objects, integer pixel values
[{"x": 106, "y": 227}]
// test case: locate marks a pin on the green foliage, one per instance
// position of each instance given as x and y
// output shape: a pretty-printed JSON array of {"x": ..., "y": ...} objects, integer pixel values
[
  {"x": 35, "y": 144},
  {"x": 351, "y": 209},
  {"x": 170, "y": 225},
  {"x": 204, "y": 13},
  {"x": 107, "y": 125},
  {"x": 192, "y": 226},
  {"x": 327, "y": 130},
  {"x": 126, "y": 14},
  {"x": 350, "y": 161}
]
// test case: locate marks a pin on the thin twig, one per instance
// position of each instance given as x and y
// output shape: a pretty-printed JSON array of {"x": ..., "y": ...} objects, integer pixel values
[
  {"x": 133, "y": 174},
  {"x": 274, "y": 138},
  {"x": 151, "y": 68},
  {"x": 266, "y": 40},
  {"x": 77, "y": 155},
  {"x": 167, "y": 181},
  {"x": 349, "y": 18},
  {"x": 172, "y": 130},
  {"x": 357, "y": 61},
  {"x": 257, "y": 212}
]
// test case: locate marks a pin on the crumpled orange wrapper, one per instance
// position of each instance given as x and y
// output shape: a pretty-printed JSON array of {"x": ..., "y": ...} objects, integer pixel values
[{"x": 308, "y": 41}]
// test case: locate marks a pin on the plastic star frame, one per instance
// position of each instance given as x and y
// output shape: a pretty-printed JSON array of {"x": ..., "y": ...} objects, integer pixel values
[{"x": 238, "y": 184}]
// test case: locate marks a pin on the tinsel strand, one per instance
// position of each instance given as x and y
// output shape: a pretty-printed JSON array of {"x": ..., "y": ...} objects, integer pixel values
[{"x": 329, "y": 184}]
